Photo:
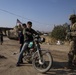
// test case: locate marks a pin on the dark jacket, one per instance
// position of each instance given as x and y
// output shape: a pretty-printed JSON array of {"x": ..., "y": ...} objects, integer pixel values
[
  {"x": 21, "y": 38},
  {"x": 29, "y": 37}
]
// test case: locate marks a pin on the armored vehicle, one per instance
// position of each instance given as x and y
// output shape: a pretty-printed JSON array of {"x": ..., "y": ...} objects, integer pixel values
[{"x": 13, "y": 34}]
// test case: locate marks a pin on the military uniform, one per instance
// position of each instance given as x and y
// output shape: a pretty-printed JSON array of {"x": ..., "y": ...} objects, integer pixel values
[{"x": 72, "y": 49}]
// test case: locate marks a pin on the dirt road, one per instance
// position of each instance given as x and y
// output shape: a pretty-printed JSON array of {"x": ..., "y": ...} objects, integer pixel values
[{"x": 9, "y": 52}]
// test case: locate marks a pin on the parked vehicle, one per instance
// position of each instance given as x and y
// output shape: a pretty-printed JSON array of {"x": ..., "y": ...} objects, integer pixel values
[{"x": 13, "y": 34}]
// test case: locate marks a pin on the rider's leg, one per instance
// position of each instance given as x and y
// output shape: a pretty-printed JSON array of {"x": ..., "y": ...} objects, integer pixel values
[{"x": 22, "y": 51}]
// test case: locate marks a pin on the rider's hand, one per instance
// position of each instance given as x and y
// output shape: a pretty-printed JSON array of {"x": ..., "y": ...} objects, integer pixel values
[{"x": 28, "y": 33}]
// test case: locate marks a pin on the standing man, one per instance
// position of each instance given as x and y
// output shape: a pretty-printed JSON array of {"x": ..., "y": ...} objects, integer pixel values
[
  {"x": 29, "y": 37},
  {"x": 22, "y": 38},
  {"x": 1, "y": 37},
  {"x": 72, "y": 34}
]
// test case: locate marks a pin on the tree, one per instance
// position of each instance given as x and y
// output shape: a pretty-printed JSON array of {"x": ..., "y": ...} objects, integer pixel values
[{"x": 59, "y": 32}]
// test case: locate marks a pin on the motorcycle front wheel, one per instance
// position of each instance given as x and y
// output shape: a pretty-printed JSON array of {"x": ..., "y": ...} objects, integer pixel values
[{"x": 45, "y": 63}]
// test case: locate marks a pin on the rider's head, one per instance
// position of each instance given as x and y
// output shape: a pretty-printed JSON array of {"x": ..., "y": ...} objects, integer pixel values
[{"x": 29, "y": 24}]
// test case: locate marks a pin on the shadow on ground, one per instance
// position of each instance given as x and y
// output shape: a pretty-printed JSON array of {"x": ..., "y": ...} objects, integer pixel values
[
  {"x": 60, "y": 68},
  {"x": 2, "y": 57}
]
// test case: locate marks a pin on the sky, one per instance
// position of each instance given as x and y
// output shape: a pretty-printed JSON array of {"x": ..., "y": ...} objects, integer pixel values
[{"x": 44, "y": 14}]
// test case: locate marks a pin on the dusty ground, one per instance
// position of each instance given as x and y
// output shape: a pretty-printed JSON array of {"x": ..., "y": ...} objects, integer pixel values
[{"x": 8, "y": 60}]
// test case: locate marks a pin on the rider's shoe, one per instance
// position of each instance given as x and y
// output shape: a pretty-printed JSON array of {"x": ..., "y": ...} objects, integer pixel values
[{"x": 18, "y": 64}]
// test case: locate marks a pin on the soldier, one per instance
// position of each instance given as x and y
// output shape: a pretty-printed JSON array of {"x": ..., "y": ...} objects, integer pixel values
[{"x": 72, "y": 34}]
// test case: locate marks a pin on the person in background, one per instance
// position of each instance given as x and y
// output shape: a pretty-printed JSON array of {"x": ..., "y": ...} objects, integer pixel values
[
  {"x": 22, "y": 36},
  {"x": 21, "y": 39},
  {"x": 1, "y": 37},
  {"x": 24, "y": 30}
]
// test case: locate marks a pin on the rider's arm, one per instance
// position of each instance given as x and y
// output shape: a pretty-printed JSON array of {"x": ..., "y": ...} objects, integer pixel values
[{"x": 34, "y": 32}]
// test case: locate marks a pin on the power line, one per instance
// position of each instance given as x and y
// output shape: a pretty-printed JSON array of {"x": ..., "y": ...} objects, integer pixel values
[
  {"x": 21, "y": 16},
  {"x": 13, "y": 14}
]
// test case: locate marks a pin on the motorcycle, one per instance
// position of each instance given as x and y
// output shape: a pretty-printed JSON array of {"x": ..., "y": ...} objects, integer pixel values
[{"x": 41, "y": 59}]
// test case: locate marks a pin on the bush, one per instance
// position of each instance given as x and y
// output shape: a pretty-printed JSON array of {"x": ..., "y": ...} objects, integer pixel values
[{"x": 59, "y": 32}]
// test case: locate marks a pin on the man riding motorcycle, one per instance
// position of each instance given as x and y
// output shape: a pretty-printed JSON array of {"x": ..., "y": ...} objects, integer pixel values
[{"x": 29, "y": 37}]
